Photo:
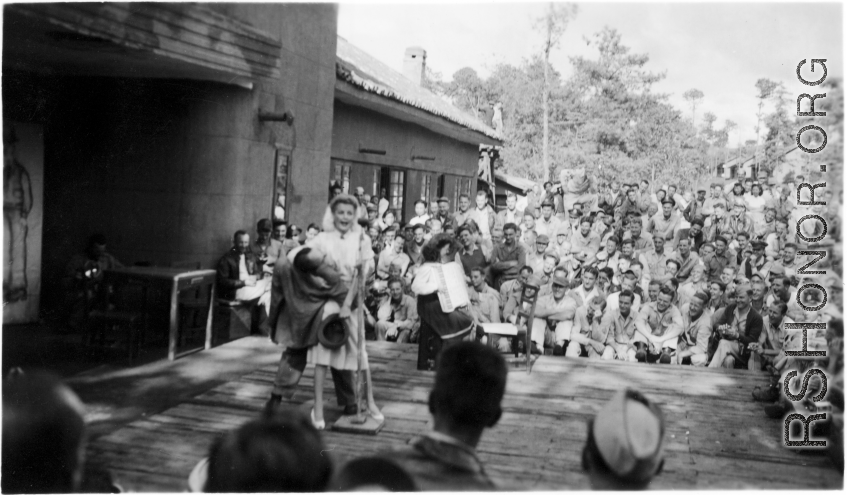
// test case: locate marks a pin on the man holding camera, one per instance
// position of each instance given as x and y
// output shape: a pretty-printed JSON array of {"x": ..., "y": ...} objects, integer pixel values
[{"x": 739, "y": 327}]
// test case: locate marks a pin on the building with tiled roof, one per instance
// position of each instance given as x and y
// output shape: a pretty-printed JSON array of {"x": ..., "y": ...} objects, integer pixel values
[{"x": 391, "y": 135}]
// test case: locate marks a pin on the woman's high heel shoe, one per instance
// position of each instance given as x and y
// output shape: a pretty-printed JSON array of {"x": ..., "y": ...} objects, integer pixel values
[
  {"x": 376, "y": 415},
  {"x": 319, "y": 425}
]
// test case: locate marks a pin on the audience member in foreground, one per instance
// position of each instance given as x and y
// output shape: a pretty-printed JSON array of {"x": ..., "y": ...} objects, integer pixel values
[
  {"x": 372, "y": 474},
  {"x": 43, "y": 436},
  {"x": 281, "y": 452},
  {"x": 470, "y": 380},
  {"x": 624, "y": 450}
]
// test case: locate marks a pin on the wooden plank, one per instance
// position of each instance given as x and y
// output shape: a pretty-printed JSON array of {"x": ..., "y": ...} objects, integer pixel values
[{"x": 717, "y": 437}]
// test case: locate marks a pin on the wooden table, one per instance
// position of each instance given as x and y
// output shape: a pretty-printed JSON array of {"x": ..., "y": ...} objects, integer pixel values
[{"x": 179, "y": 279}]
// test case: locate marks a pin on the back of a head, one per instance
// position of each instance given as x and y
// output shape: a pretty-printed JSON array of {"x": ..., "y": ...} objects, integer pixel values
[
  {"x": 281, "y": 453},
  {"x": 373, "y": 474},
  {"x": 625, "y": 445},
  {"x": 43, "y": 432},
  {"x": 470, "y": 381}
]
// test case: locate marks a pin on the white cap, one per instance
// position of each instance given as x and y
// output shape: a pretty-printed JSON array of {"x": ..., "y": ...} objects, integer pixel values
[{"x": 629, "y": 433}]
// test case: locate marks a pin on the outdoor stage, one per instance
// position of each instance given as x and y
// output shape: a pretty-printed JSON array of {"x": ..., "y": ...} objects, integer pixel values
[{"x": 717, "y": 436}]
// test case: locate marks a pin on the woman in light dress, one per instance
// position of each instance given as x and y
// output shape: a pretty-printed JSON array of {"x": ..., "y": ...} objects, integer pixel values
[
  {"x": 345, "y": 245},
  {"x": 756, "y": 202}
]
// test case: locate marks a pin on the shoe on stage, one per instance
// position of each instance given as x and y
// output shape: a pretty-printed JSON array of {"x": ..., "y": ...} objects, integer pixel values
[{"x": 319, "y": 425}]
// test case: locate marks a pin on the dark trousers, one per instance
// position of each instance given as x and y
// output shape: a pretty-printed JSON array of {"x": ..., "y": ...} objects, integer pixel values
[{"x": 291, "y": 367}]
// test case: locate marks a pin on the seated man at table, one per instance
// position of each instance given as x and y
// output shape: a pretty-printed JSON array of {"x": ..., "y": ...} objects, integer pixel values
[
  {"x": 266, "y": 249},
  {"x": 239, "y": 274},
  {"x": 397, "y": 317},
  {"x": 82, "y": 276}
]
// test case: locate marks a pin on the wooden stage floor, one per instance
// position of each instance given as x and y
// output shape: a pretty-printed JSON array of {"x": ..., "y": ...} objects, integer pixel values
[{"x": 717, "y": 436}]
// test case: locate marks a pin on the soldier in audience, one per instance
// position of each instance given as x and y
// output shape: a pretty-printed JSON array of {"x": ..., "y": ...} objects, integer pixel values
[
  {"x": 661, "y": 324},
  {"x": 739, "y": 326},
  {"x": 693, "y": 345},
  {"x": 397, "y": 317}
]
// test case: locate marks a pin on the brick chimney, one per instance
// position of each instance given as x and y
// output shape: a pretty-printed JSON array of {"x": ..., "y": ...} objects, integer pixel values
[{"x": 414, "y": 64}]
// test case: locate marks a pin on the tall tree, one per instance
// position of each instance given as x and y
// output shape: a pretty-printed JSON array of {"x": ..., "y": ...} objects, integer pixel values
[
  {"x": 693, "y": 96},
  {"x": 553, "y": 23},
  {"x": 467, "y": 91},
  {"x": 764, "y": 89}
]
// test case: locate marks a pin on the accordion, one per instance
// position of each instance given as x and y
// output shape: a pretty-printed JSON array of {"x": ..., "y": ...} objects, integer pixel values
[{"x": 452, "y": 289}]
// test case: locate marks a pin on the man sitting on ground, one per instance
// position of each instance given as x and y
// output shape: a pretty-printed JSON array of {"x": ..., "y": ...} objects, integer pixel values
[
  {"x": 693, "y": 345},
  {"x": 558, "y": 310},
  {"x": 624, "y": 450},
  {"x": 470, "y": 380},
  {"x": 661, "y": 324},
  {"x": 588, "y": 335},
  {"x": 397, "y": 317},
  {"x": 739, "y": 326},
  {"x": 619, "y": 327}
]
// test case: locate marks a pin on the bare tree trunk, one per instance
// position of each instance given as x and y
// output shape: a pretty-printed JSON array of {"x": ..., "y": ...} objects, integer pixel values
[{"x": 546, "y": 157}]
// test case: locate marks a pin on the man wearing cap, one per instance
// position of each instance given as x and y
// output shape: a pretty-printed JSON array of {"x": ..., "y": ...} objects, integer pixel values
[
  {"x": 739, "y": 326},
  {"x": 584, "y": 243},
  {"x": 625, "y": 446},
  {"x": 507, "y": 257},
  {"x": 696, "y": 330},
  {"x": 397, "y": 316},
  {"x": 266, "y": 249},
  {"x": 535, "y": 259},
  {"x": 738, "y": 220},
  {"x": 695, "y": 207},
  {"x": 661, "y": 324},
  {"x": 558, "y": 310},
  {"x": 548, "y": 224},
  {"x": 563, "y": 245},
  {"x": 755, "y": 263},
  {"x": 511, "y": 214}
]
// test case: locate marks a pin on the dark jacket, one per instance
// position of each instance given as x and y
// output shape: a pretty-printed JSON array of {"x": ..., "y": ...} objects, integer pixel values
[
  {"x": 752, "y": 329},
  {"x": 228, "y": 280}
]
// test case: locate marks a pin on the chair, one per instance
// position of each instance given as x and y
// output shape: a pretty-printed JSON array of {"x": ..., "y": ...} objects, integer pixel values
[
  {"x": 119, "y": 313},
  {"x": 193, "y": 308}
]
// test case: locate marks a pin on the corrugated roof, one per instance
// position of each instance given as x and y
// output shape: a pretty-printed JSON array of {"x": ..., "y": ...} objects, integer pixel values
[{"x": 360, "y": 69}]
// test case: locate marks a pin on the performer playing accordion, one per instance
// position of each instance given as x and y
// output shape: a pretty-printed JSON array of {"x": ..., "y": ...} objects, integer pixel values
[{"x": 442, "y": 299}]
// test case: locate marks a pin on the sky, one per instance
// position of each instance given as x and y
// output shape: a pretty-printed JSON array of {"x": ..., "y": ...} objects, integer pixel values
[{"x": 719, "y": 48}]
